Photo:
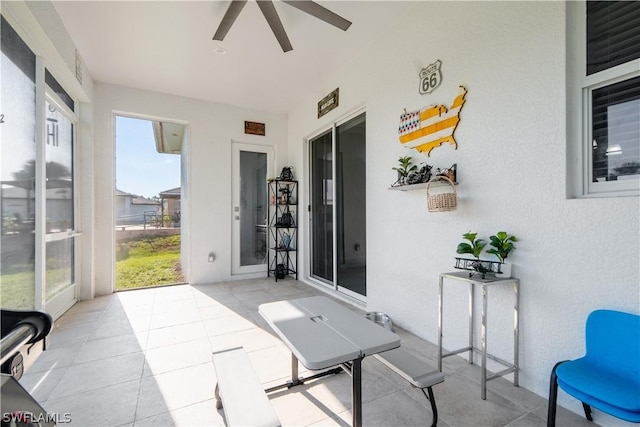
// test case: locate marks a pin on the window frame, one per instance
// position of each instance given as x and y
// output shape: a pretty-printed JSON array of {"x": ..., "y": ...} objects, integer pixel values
[{"x": 587, "y": 84}]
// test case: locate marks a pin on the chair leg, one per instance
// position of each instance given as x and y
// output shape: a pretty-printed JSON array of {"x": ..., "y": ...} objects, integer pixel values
[
  {"x": 587, "y": 411},
  {"x": 432, "y": 400},
  {"x": 218, "y": 399},
  {"x": 553, "y": 396}
]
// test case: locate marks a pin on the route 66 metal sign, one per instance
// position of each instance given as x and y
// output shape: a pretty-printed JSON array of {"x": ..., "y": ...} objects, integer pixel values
[{"x": 430, "y": 77}]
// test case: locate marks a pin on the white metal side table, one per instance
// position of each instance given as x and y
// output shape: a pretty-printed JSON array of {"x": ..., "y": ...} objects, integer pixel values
[{"x": 485, "y": 284}]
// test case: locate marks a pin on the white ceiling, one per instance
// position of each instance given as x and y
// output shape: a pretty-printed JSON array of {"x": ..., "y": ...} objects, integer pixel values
[{"x": 167, "y": 46}]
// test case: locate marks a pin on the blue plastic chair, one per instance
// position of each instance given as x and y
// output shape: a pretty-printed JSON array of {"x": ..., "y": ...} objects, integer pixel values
[{"x": 607, "y": 378}]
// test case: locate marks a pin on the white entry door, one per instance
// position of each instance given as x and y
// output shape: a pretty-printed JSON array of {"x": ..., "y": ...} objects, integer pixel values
[{"x": 251, "y": 166}]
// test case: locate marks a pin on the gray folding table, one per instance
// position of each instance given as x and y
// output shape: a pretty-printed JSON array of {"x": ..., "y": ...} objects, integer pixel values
[{"x": 322, "y": 334}]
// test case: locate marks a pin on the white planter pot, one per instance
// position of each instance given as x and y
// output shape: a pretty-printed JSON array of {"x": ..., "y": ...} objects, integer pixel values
[{"x": 505, "y": 268}]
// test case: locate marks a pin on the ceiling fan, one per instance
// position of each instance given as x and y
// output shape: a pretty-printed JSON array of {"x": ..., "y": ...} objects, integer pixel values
[{"x": 269, "y": 11}]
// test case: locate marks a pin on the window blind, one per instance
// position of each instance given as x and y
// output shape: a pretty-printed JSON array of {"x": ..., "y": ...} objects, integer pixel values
[{"x": 613, "y": 34}]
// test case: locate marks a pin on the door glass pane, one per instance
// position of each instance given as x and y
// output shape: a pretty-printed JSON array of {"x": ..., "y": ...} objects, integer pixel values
[
  {"x": 59, "y": 171},
  {"x": 253, "y": 208},
  {"x": 351, "y": 205},
  {"x": 322, "y": 207},
  {"x": 18, "y": 154},
  {"x": 59, "y": 267}
]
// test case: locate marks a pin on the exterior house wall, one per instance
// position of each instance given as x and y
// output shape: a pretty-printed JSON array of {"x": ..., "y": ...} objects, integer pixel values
[
  {"x": 132, "y": 211},
  {"x": 574, "y": 255}
]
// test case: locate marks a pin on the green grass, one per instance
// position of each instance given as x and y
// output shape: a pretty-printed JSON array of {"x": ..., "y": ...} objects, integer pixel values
[
  {"x": 141, "y": 263},
  {"x": 148, "y": 262},
  {"x": 17, "y": 290}
]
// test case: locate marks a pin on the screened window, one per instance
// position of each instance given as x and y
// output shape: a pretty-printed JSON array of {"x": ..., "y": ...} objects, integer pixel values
[
  {"x": 59, "y": 144},
  {"x": 611, "y": 94},
  {"x": 37, "y": 236},
  {"x": 59, "y": 169},
  {"x": 18, "y": 171}
]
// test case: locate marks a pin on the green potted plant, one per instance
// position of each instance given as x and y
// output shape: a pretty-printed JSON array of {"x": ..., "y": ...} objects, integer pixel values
[
  {"x": 501, "y": 246},
  {"x": 404, "y": 169},
  {"x": 474, "y": 247}
]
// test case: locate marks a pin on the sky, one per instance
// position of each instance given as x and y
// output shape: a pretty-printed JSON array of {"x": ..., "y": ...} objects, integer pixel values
[{"x": 140, "y": 169}]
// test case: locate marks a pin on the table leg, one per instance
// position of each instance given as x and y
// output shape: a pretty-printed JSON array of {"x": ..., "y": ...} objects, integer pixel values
[
  {"x": 356, "y": 392},
  {"x": 294, "y": 369},
  {"x": 471, "y": 323},
  {"x": 516, "y": 332},
  {"x": 440, "y": 324},
  {"x": 483, "y": 376}
]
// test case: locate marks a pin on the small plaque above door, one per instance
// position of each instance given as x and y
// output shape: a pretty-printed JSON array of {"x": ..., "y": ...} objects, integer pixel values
[
  {"x": 328, "y": 103},
  {"x": 254, "y": 128}
]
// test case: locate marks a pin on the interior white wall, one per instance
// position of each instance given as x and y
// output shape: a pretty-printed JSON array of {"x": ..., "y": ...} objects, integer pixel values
[
  {"x": 207, "y": 157},
  {"x": 574, "y": 255}
]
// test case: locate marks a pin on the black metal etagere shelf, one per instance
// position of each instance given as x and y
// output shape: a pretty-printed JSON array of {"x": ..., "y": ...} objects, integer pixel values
[{"x": 283, "y": 229}]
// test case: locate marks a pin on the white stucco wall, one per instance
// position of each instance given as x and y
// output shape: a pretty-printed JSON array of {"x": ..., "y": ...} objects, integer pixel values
[
  {"x": 574, "y": 255},
  {"x": 206, "y": 208}
]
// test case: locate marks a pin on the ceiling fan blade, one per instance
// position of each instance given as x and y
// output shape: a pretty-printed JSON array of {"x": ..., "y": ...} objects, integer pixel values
[
  {"x": 270, "y": 14},
  {"x": 320, "y": 12},
  {"x": 229, "y": 18}
]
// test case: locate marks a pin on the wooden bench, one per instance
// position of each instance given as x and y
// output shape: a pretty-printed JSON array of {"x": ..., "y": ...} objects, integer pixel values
[
  {"x": 238, "y": 387},
  {"x": 416, "y": 371}
]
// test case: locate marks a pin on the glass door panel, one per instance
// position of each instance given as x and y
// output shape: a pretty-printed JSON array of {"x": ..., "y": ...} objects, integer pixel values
[
  {"x": 338, "y": 207},
  {"x": 59, "y": 171},
  {"x": 351, "y": 206},
  {"x": 322, "y": 207},
  {"x": 253, "y": 208},
  {"x": 59, "y": 267},
  {"x": 18, "y": 172},
  {"x": 60, "y": 225},
  {"x": 251, "y": 165}
]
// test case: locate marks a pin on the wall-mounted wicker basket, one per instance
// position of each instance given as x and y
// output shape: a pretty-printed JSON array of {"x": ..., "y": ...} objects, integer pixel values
[{"x": 442, "y": 201}]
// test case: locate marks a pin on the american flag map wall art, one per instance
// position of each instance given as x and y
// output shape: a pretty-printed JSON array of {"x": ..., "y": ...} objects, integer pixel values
[{"x": 431, "y": 127}]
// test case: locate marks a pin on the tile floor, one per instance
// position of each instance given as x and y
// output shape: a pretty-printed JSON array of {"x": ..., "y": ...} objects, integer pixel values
[{"x": 143, "y": 358}]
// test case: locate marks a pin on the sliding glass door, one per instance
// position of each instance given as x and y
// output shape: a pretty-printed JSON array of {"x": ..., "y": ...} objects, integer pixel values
[
  {"x": 338, "y": 207},
  {"x": 322, "y": 207},
  {"x": 351, "y": 203}
]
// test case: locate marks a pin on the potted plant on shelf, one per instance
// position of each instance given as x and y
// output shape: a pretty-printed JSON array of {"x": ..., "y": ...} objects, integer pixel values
[
  {"x": 404, "y": 169},
  {"x": 473, "y": 246},
  {"x": 501, "y": 246}
]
